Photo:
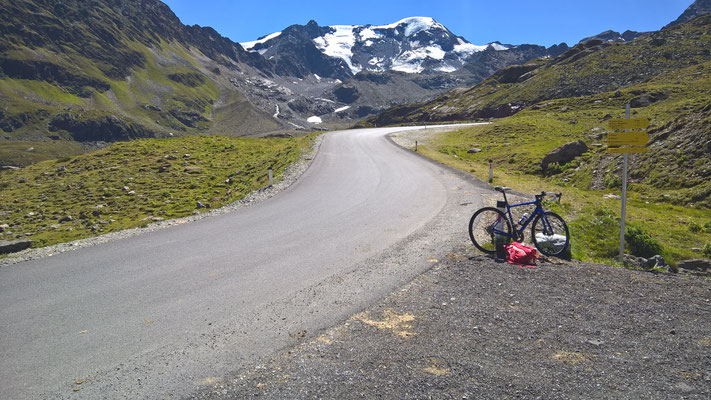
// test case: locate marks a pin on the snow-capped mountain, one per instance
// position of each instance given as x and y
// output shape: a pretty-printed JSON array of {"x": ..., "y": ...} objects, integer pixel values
[
  {"x": 344, "y": 72},
  {"x": 412, "y": 45}
]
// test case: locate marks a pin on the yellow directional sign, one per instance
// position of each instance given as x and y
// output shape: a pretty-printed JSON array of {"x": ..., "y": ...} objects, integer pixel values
[
  {"x": 622, "y": 150},
  {"x": 620, "y": 124},
  {"x": 616, "y": 139}
]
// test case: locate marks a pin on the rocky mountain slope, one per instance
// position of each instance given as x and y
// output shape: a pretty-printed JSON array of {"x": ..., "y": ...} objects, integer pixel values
[
  {"x": 588, "y": 68},
  {"x": 697, "y": 9},
  {"x": 612, "y": 36},
  {"x": 77, "y": 75},
  {"x": 74, "y": 72}
]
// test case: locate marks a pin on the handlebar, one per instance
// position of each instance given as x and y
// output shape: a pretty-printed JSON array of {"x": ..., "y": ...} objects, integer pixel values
[{"x": 556, "y": 196}]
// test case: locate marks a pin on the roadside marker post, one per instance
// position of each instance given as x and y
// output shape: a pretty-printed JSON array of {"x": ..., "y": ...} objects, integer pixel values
[
  {"x": 619, "y": 143},
  {"x": 270, "y": 172},
  {"x": 415, "y": 146},
  {"x": 624, "y": 197},
  {"x": 491, "y": 171}
]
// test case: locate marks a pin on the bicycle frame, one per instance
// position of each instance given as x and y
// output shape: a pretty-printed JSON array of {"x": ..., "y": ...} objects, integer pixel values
[{"x": 519, "y": 232}]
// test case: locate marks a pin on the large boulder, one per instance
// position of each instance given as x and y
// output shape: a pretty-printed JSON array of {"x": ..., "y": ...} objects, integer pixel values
[{"x": 564, "y": 154}]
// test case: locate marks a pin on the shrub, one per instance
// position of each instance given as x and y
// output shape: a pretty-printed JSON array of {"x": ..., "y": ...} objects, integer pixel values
[
  {"x": 695, "y": 228},
  {"x": 698, "y": 228},
  {"x": 612, "y": 181},
  {"x": 641, "y": 244},
  {"x": 707, "y": 250}
]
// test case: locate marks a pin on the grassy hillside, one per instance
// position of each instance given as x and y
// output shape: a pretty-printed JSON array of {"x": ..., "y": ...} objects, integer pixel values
[
  {"x": 112, "y": 72},
  {"x": 670, "y": 184},
  {"x": 131, "y": 184}
]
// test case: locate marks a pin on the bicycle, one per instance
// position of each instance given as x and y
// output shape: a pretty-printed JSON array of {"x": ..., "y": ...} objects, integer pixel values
[{"x": 490, "y": 226}]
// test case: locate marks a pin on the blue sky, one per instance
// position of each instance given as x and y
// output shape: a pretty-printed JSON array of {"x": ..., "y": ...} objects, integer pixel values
[{"x": 543, "y": 22}]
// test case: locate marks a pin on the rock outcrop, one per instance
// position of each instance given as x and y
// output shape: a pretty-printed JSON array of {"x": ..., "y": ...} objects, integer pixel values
[{"x": 564, "y": 154}]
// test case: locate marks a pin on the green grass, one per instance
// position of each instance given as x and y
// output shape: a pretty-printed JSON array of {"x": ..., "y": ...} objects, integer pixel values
[
  {"x": 669, "y": 192},
  {"x": 15, "y": 152},
  {"x": 593, "y": 218},
  {"x": 122, "y": 187}
]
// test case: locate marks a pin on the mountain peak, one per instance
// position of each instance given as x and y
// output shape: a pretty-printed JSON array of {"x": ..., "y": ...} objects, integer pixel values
[
  {"x": 412, "y": 45},
  {"x": 697, "y": 9},
  {"x": 413, "y": 25}
]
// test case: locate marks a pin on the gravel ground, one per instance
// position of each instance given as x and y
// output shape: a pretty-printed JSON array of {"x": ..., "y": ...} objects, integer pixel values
[
  {"x": 291, "y": 174},
  {"x": 471, "y": 327}
]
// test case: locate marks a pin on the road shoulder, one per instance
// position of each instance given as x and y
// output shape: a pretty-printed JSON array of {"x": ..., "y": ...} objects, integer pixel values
[{"x": 471, "y": 327}]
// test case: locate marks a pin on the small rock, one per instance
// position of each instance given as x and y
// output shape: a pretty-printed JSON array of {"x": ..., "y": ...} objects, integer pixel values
[
  {"x": 164, "y": 168},
  {"x": 656, "y": 262},
  {"x": 8, "y": 168},
  {"x": 200, "y": 204},
  {"x": 157, "y": 219},
  {"x": 4, "y": 227},
  {"x": 67, "y": 218},
  {"x": 61, "y": 168},
  {"x": 596, "y": 342},
  {"x": 7, "y": 247},
  {"x": 193, "y": 170},
  {"x": 697, "y": 265},
  {"x": 474, "y": 150},
  {"x": 633, "y": 261},
  {"x": 186, "y": 155},
  {"x": 30, "y": 149}
]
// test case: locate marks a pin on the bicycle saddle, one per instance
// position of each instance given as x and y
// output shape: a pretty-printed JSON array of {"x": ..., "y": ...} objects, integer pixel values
[{"x": 502, "y": 189}]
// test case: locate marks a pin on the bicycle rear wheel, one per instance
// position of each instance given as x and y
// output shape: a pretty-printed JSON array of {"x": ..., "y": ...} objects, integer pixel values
[
  {"x": 487, "y": 226},
  {"x": 550, "y": 234}
]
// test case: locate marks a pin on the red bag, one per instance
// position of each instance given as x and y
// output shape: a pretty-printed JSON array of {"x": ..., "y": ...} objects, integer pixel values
[{"x": 520, "y": 254}]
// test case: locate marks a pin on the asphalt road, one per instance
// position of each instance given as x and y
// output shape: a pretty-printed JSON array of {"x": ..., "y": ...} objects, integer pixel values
[{"x": 161, "y": 314}]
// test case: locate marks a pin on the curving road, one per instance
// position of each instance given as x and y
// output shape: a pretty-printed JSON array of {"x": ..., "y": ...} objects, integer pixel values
[{"x": 164, "y": 313}]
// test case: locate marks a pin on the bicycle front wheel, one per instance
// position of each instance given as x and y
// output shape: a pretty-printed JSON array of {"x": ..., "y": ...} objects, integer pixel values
[
  {"x": 487, "y": 227},
  {"x": 550, "y": 234}
]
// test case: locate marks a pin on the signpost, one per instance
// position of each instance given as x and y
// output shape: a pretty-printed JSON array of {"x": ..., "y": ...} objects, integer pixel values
[
  {"x": 623, "y": 143},
  {"x": 620, "y": 124},
  {"x": 616, "y": 139}
]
